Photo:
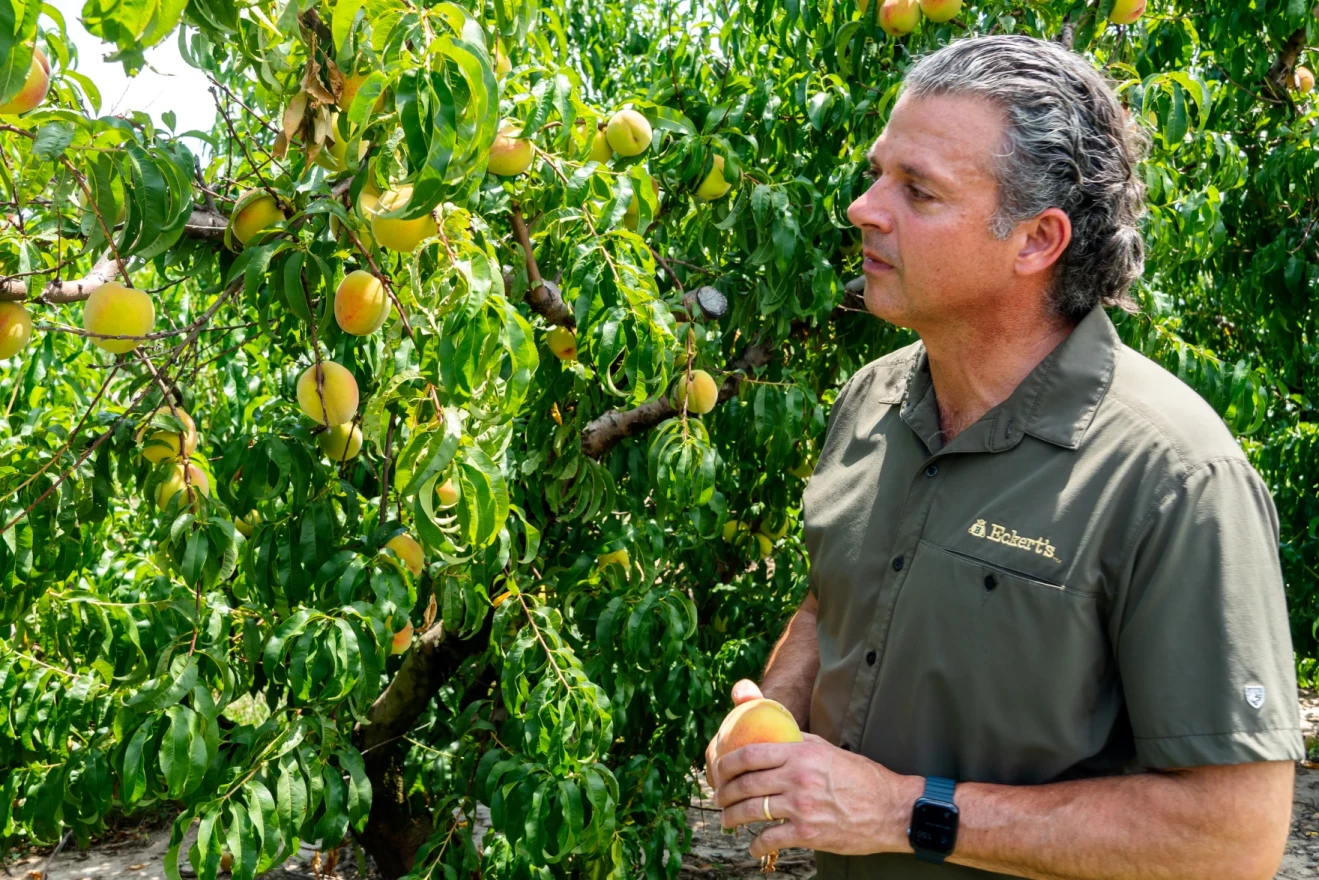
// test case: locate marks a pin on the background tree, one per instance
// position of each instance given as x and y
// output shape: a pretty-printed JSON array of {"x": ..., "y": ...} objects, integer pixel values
[{"x": 314, "y": 557}]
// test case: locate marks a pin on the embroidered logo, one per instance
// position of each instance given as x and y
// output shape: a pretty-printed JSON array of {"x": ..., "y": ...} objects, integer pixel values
[
  {"x": 1255, "y": 695},
  {"x": 1009, "y": 537}
]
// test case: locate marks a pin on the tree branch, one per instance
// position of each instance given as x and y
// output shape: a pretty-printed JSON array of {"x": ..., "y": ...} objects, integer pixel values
[
  {"x": 601, "y": 433},
  {"x": 543, "y": 297},
  {"x": 202, "y": 225},
  {"x": 1285, "y": 63}
]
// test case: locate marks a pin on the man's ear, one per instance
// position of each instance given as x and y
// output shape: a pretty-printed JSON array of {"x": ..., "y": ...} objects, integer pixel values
[{"x": 1046, "y": 237}]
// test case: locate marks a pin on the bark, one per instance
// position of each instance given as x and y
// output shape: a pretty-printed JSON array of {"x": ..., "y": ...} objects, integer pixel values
[
  {"x": 397, "y": 826},
  {"x": 544, "y": 297},
  {"x": 1281, "y": 70}
]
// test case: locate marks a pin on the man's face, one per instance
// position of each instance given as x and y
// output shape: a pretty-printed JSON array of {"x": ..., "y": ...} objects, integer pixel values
[{"x": 930, "y": 257}]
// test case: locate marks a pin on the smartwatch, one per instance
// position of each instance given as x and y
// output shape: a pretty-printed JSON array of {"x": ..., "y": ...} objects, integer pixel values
[{"x": 933, "y": 830}]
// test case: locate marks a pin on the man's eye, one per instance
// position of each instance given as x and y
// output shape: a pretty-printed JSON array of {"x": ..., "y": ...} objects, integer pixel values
[{"x": 916, "y": 193}]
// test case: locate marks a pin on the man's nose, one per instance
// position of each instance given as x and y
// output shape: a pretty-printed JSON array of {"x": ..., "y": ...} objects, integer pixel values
[{"x": 867, "y": 209}]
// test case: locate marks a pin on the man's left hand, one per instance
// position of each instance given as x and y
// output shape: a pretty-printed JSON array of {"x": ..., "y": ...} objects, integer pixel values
[{"x": 833, "y": 800}]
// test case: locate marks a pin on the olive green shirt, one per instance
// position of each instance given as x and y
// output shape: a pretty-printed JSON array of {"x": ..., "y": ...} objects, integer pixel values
[{"x": 1085, "y": 582}]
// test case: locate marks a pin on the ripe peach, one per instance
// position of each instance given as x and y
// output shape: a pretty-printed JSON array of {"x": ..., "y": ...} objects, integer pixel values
[
  {"x": 714, "y": 186},
  {"x": 254, "y": 211},
  {"x": 628, "y": 133},
  {"x": 360, "y": 303},
  {"x": 509, "y": 154},
  {"x": 1127, "y": 11},
  {"x": 899, "y": 17},
  {"x": 177, "y": 482},
  {"x": 115, "y": 310},
  {"x": 705, "y": 393},
  {"x": 502, "y": 64},
  {"x": 342, "y": 442},
  {"x": 408, "y": 551},
  {"x": 35, "y": 86},
  {"x": 15, "y": 328},
  {"x": 1303, "y": 79},
  {"x": 165, "y": 444},
  {"x": 756, "y": 721},
  {"x": 398, "y": 235},
  {"x": 447, "y": 492},
  {"x": 563, "y": 342},
  {"x": 940, "y": 11},
  {"x": 402, "y": 639},
  {"x": 339, "y": 389}
]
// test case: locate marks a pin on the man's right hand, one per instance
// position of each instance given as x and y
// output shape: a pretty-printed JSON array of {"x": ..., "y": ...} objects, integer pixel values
[{"x": 744, "y": 690}]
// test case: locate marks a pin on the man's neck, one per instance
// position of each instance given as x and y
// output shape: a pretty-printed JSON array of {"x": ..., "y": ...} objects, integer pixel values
[{"x": 976, "y": 366}]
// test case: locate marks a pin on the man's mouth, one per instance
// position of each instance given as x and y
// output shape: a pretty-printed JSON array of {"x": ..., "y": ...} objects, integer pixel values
[{"x": 875, "y": 263}]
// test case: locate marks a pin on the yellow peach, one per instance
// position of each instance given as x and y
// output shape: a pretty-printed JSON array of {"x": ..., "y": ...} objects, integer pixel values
[
  {"x": 247, "y": 524},
  {"x": 939, "y": 11},
  {"x": 398, "y": 235},
  {"x": 1127, "y": 11},
  {"x": 447, "y": 492},
  {"x": 34, "y": 89},
  {"x": 628, "y": 133},
  {"x": 509, "y": 154},
  {"x": 714, "y": 186},
  {"x": 178, "y": 482},
  {"x": 163, "y": 445},
  {"x": 360, "y": 303},
  {"x": 899, "y": 17},
  {"x": 563, "y": 342},
  {"x": 255, "y": 211},
  {"x": 15, "y": 328},
  {"x": 339, "y": 389},
  {"x": 402, "y": 639},
  {"x": 408, "y": 551},
  {"x": 756, "y": 721},
  {"x": 600, "y": 150},
  {"x": 705, "y": 393},
  {"x": 115, "y": 310},
  {"x": 342, "y": 442}
]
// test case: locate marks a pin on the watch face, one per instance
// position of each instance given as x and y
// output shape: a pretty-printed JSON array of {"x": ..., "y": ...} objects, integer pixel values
[{"x": 933, "y": 826}]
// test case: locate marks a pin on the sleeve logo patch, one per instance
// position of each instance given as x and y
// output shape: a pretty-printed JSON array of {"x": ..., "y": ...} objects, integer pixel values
[{"x": 1255, "y": 695}]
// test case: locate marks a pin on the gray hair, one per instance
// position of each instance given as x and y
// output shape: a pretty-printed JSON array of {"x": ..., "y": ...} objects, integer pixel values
[{"x": 1068, "y": 144}]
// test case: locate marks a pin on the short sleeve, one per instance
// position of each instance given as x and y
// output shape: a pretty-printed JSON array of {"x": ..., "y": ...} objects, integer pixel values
[
  {"x": 812, "y": 586},
  {"x": 1201, "y": 635}
]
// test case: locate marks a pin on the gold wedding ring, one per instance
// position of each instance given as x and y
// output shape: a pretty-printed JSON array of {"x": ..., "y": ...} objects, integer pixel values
[{"x": 764, "y": 805}]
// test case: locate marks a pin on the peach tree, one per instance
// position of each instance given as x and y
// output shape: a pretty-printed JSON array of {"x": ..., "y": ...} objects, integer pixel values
[{"x": 430, "y": 432}]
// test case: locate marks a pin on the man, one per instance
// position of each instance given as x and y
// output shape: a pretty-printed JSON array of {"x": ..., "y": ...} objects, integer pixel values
[{"x": 1045, "y": 598}]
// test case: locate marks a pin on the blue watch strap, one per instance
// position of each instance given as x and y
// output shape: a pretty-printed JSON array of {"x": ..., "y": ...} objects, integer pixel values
[{"x": 939, "y": 789}]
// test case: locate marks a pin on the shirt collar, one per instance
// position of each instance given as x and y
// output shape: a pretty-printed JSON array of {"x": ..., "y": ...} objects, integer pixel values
[{"x": 1056, "y": 402}]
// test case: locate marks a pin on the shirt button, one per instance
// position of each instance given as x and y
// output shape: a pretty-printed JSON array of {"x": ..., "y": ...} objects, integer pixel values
[
  {"x": 931, "y": 470},
  {"x": 990, "y": 582},
  {"x": 897, "y": 564},
  {"x": 870, "y": 658}
]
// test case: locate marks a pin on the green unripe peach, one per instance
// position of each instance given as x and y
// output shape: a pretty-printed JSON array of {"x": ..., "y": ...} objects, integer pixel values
[
  {"x": 563, "y": 342},
  {"x": 628, "y": 133},
  {"x": 705, "y": 393},
  {"x": 342, "y": 442},
  {"x": 732, "y": 527},
  {"x": 115, "y": 310},
  {"x": 15, "y": 328},
  {"x": 509, "y": 155},
  {"x": 247, "y": 524},
  {"x": 339, "y": 389},
  {"x": 360, "y": 303}
]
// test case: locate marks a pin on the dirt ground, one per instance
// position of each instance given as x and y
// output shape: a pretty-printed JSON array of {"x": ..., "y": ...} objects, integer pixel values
[{"x": 138, "y": 853}]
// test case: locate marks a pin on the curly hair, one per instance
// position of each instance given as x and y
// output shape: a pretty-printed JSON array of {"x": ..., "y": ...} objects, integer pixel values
[{"x": 1068, "y": 143}]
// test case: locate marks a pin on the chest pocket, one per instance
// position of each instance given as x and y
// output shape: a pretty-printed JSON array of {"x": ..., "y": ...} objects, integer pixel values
[{"x": 1019, "y": 667}]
